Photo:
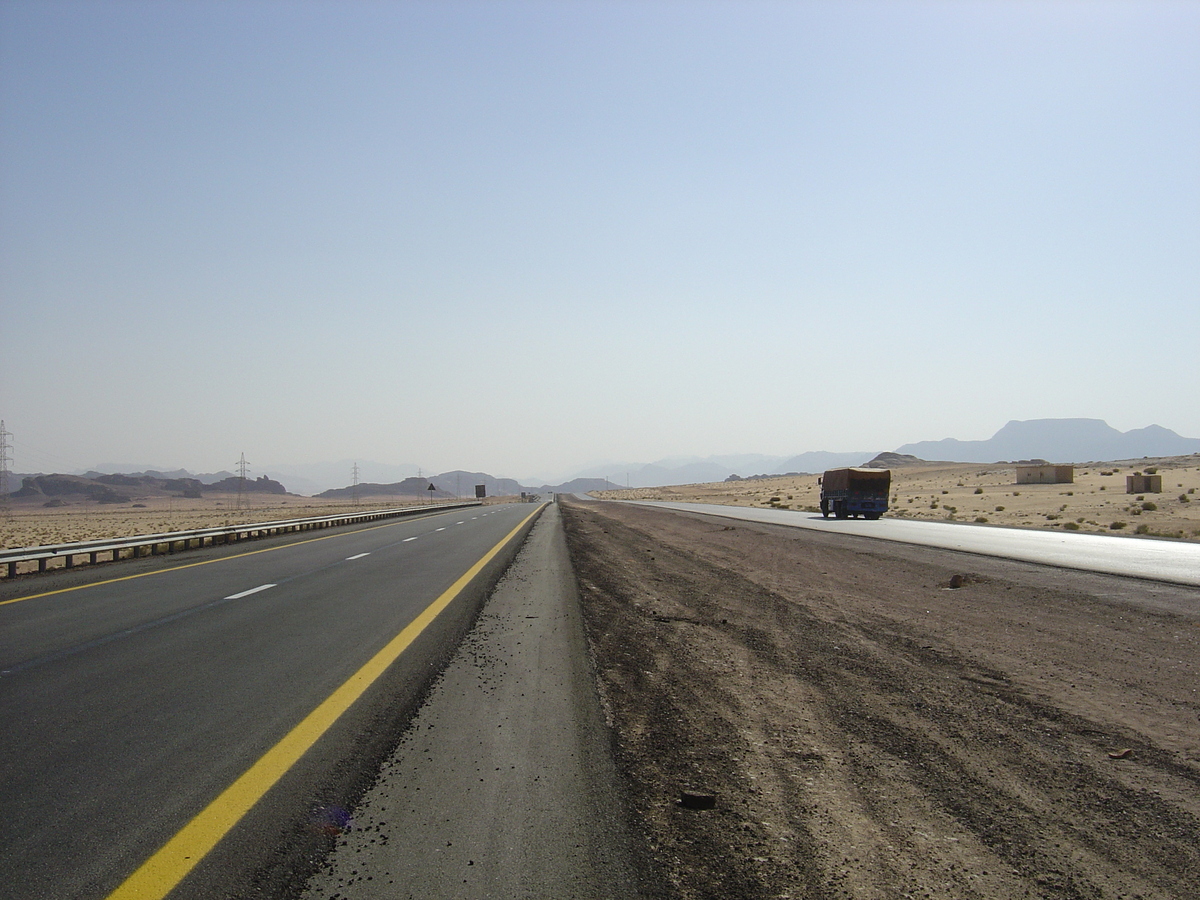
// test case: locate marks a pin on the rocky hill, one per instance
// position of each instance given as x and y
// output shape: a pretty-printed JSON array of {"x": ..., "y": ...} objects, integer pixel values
[
  {"x": 409, "y": 487},
  {"x": 126, "y": 488}
]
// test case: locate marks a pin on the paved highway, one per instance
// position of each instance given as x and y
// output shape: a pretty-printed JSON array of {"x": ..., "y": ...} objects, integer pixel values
[
  {"x": 1177, "y": 562},
  {"x": 160, "y": 708}
]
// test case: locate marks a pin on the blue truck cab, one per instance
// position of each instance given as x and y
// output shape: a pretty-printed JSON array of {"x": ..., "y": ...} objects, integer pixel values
[{"x": 855, "y": 492}]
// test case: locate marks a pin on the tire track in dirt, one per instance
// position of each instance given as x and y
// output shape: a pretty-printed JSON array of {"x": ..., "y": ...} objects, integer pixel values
[{"x": 858, "y": 749}]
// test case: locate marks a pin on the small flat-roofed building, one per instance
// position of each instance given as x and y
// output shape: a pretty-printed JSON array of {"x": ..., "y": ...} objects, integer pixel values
[
  {"x": 1045, "y": 474},
  {"x": 1143, "y": 484}
]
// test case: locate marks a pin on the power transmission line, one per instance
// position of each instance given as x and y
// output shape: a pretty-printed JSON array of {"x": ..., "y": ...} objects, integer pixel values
[
  {"x": 242, "y": 497},
  {"x": 5, "y": 459}
]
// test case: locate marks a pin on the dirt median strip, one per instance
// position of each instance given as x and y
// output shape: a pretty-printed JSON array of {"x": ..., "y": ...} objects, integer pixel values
[{"x": 865, "y": 730}]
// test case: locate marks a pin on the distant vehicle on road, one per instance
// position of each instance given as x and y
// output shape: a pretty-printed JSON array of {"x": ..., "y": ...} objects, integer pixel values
[{"x": 855, "y": 492}]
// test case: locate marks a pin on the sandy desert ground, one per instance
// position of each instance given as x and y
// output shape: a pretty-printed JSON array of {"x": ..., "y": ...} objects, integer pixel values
[
  {"x": 974, "y": 493},
  {"x": 31, "y": 524}
]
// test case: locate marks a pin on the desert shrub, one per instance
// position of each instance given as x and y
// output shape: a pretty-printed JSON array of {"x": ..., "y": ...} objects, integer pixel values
[
  {"x": 1149, "y": 506},
  {"x": 1191, "y": 490},
  {"x": 999, "y": 509},
  {"x": 1117, "y": 526},
  {"x": 981, "y": 519},
  {"x": 1183, "y": 498},
  {"x": 1070, "y": 493},
  {"x": 933, "y": 505},
  {"x": 1052, "y": 516},
  {"x": 1101, "y": 487},
  {"x": 1016, "y": 493},
  {"x": 1106, "y": 473},
  {"x": 1143, "y": 529},
  {"x": 1152, "y": 470},
  {"x": 979, "y": 490},
  {"x": 945, "y": 492},
  {"x": 1071, "y": 526}
]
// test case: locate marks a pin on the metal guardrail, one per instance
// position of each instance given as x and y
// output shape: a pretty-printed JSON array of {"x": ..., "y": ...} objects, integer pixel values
[{"x": 177, "y": 541}]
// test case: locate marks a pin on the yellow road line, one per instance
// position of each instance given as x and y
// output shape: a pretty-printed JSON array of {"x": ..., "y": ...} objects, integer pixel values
[
  {"x": 159, "y": 875},
  {"x": 324, "y": 537}
]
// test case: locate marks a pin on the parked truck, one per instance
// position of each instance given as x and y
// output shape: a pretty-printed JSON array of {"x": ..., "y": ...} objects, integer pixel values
[{"x": 854, "y": 492}]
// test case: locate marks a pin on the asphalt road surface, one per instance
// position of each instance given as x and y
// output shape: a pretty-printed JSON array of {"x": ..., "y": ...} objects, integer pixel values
[
  {"x": 132, "y": 698},
  {"x": 1161, "y": 560}
]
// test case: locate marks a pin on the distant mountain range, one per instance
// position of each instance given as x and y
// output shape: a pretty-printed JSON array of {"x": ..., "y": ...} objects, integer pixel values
[
  {"x": 1056, "y": 440},
  {"x": 1060, "y": 441},
  {"x": 696, "y": 470}
]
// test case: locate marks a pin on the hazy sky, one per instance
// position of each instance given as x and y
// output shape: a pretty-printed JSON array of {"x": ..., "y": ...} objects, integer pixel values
[{"x": 524, "y": 237}]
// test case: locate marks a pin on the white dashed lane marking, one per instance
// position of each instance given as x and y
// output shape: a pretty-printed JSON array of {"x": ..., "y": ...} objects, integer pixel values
[
  {"x": 357, "y": 556},
  {"x": 261, "y": 587}
]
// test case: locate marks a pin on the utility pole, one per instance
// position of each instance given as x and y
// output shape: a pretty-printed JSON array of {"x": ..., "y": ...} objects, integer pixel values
[{"x": 354, "y": 486}]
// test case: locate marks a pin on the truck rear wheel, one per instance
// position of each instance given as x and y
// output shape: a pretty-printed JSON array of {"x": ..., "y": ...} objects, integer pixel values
[
  {"x": 839, "y": 510},
  {"x": 825, "y": 508}
]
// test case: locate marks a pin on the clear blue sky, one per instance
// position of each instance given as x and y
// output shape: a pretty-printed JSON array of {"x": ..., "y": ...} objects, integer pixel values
[{"x": 524, "y": 237}]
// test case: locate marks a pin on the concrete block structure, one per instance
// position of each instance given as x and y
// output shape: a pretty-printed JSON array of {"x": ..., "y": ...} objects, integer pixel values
[
  {"x": 1045, "y": 474},
  {"x": 1143, "y": 484}
]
